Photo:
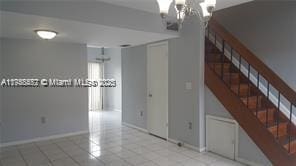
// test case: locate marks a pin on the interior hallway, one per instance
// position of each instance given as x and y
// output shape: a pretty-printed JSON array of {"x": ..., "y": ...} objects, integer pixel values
[{"x": 108, "y": 144}]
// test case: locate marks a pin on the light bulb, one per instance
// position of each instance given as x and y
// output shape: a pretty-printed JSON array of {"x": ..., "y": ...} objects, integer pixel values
[
  {"x": 180, "y": 2},
  {"x": 164, "y": 6},
  {"x": 46, "y": 34},
  {"x": 211, "y": 3},
  {"x": 205, "y": 12}
]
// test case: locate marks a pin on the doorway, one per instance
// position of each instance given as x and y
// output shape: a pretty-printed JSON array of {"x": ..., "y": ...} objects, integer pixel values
[
  {"x": 95, "y": 94},
  {"x": 157, "y": 88},
  {"x": 105, "y": 101}
]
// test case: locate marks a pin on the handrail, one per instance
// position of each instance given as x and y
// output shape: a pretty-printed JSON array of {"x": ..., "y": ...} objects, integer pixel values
[
  {"x": 270, "y": 147},
  {"x": 255, "y": 62}
]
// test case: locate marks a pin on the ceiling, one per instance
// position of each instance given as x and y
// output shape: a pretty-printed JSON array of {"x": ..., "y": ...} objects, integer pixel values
[
  {"x": 78, "y": 26},
  {"x": 145, "y": 5},
  {"x": 15, "y": 25},
  {"x": 151, "y": 5}
]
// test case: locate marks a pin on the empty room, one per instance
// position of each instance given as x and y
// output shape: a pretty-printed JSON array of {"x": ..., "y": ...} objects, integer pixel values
[{"x": 147, "y": 83}]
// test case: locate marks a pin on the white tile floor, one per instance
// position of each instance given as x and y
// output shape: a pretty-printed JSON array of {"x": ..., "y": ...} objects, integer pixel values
[{"x": 108, "y": 144}]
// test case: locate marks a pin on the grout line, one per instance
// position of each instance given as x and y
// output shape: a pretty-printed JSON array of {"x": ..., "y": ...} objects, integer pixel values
[
  {"x": 43, "y": 153},
  {"x": 112, "y": 153},
  {"x": 112, "y": 130},
  {"x": 86, "y": 150},
  {"x": 66, "y": 153},
  {"x": 27, "y": 164}
]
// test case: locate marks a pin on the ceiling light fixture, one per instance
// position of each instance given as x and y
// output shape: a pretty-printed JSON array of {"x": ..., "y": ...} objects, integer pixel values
[
  {"x": 187, "y": 8},
  {"x": 46, "y": 34}
]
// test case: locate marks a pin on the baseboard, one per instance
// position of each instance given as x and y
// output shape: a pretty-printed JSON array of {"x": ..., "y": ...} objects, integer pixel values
[
  {"x": 42, "y": 138},
  {"x": 188, "y": 145},
  {"x": 135, "y": 127},
  {"x": 111, "y": 109},
  {"x": 202, "y": 149},
  {"x": 173, "y": 141},
  {"x": 241, "y": 160},
  {"x": 247, "y": 162}
]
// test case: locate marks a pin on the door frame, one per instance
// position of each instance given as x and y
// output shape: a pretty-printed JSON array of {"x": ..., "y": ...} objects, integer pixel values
[
  {"x": 167, "y": 104},
  {"x": 208, "y": 117}
]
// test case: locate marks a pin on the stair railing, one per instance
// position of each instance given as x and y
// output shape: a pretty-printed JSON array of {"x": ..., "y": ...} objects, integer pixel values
[{"x": 271, "y": 85}]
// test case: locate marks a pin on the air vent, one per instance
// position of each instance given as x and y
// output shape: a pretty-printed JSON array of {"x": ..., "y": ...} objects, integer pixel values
[
  {"x": 172, "y": 26},
  {"x": 125, "y": 45}
]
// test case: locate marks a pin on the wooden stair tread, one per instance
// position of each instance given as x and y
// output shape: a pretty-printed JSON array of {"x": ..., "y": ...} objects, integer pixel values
[
  {"x": 262, "y": 113},
  {"x": 241, "y": 86},
  {"x": 253, "y": 98},
  {"x": 219, "y": 64},
  {"x": 214, "y": 53},
  {"x": 263, "y": 109},
  {"x": 252, "y": 102},
  {"x": 276, "y": 122},
  {"x": 282, "y": 127},
  {"x": 292, "y": 147},
  {"x": 215, "y": 57},
  {"x": 285, "y": 139}
]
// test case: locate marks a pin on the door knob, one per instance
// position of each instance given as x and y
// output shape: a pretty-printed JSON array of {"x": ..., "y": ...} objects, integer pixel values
[{"x": 150, "y": 95}]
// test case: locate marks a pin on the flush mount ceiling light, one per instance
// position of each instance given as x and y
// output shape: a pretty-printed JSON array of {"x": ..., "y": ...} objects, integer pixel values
[
  {"x": 46, "y": 34},
  {"x": 186, "y": 8}
]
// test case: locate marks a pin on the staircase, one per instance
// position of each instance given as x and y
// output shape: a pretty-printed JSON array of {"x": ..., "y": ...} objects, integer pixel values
[{"x": 255, "y": 96}]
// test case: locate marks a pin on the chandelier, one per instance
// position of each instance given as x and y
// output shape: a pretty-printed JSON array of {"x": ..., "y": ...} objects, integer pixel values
[{"x": 187, "y": 8}]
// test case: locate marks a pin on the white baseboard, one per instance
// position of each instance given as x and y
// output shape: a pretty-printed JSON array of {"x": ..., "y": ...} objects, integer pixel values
[
  {"x": 42, "y": 138},
  {"x": 247, "y": 162},
  {"x": 135, "y": 127},
  {"x": 111, "y": 109},
  {"x": 188, "y": 145},
  {"x": 202, "y": 149},
  {"x": 241, "y": 160}
]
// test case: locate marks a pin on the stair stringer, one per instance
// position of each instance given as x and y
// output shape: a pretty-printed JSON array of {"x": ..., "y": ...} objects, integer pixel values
[{"x": 253, "y": 127}]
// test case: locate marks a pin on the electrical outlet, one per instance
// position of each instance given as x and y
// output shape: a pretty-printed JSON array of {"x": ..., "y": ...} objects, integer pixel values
[
  {"x": 190, "y": 125},
  {"x": 188, "y": 85},
  {"x": 43, "y": 120}
]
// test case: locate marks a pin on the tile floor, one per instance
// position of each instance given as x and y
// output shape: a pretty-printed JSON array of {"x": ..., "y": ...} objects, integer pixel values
[{"x": 108, "y": 144}]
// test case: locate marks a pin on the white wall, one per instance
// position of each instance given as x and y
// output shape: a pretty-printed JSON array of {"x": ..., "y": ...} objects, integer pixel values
[
  {"x": 0, "y": 91},
  {"x": 65, "y": 109},
  {"x": 112, "y": 95},
  {"x": 134, "y": 86},
  {"x": 185, "y": 55},
  {"x": 247, "y": 149},
  {"x": 113, "y": 71},
  {"x": 186, "y": 62},
  {"x": 268, "y": 30}
]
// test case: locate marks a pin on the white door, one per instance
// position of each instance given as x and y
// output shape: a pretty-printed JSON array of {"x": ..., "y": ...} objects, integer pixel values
[
  {"x": 157, "y": 89},
  {"x": 221, "y": 137}
]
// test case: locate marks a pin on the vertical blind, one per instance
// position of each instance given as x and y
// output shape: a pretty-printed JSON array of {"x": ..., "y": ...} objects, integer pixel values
[{"x": 94, "y": 93}]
